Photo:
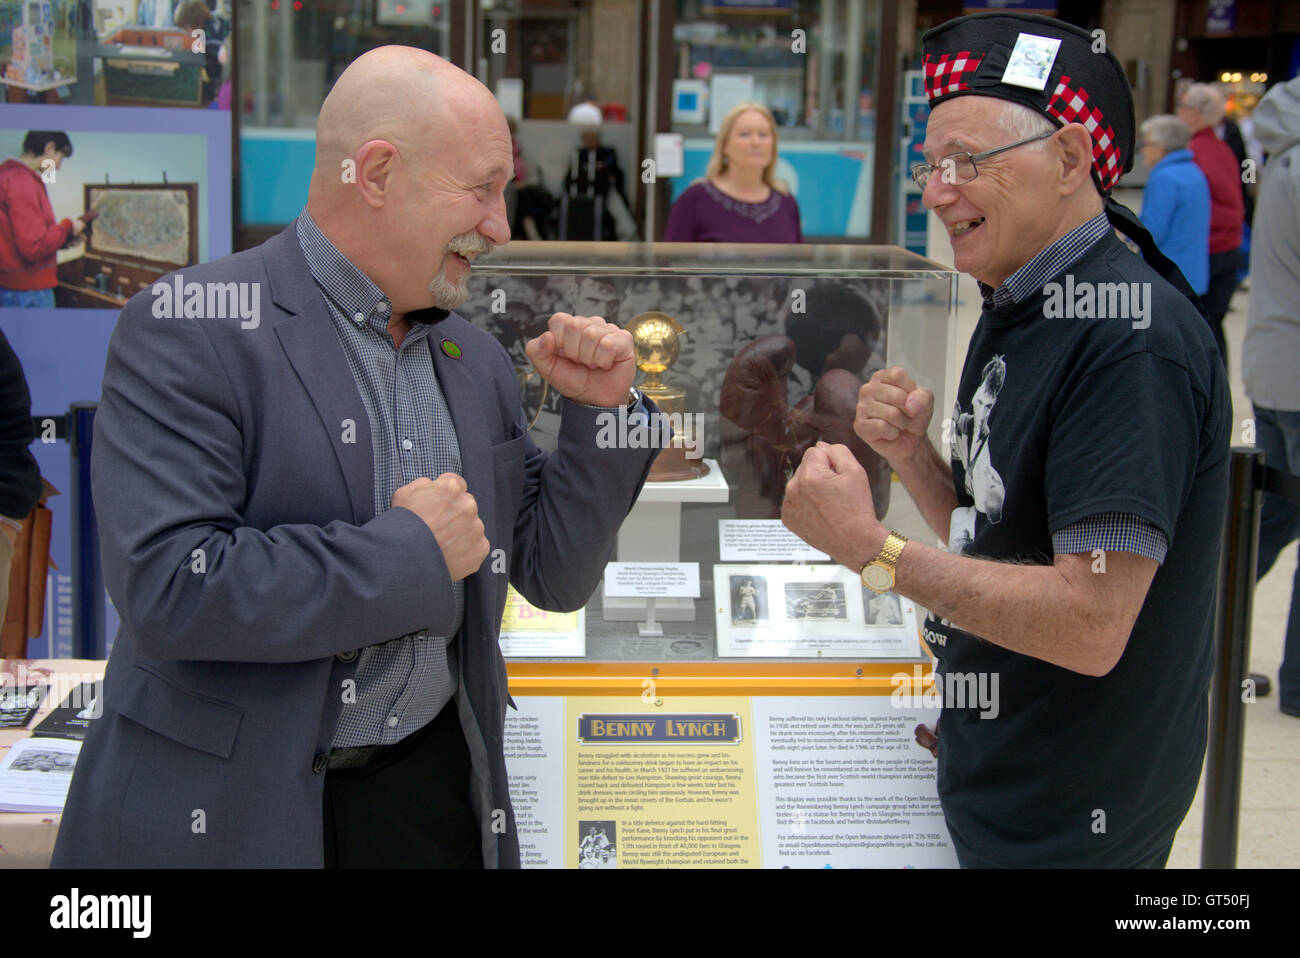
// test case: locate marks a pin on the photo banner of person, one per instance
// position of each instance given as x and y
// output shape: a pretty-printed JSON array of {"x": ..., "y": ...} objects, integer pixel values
[{"x": 101, "y": 203}]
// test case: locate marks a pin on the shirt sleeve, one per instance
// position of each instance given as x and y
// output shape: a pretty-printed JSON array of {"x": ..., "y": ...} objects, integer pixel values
[
  {"x": 1112, "y": 532},
  {"x": 1123, "y": 438},
  {"x": 631, "y": 410}
]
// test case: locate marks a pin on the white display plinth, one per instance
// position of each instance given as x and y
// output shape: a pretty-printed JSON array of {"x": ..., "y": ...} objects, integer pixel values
[{"x": 652, "y": 532}]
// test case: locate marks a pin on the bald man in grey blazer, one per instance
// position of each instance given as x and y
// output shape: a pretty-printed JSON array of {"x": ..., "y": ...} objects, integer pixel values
[{"x": 312, "y": 488}]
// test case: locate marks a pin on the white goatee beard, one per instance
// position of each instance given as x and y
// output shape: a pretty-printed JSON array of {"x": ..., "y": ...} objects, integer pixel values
[
  {"x": 446, "y": 294},
  {"x": 449, "y": 295}
]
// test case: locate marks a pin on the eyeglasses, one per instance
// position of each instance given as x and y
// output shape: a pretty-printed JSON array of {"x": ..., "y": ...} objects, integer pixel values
[{"x": 958, "y": 168}]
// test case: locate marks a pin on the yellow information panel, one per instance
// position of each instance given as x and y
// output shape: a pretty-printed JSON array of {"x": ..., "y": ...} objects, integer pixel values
[
  {"x": 732, "y": 781},
  {"x": 521, "y": 617},
  {"x": 528, "y": 630},
  {"x": 681, "y": 783}
]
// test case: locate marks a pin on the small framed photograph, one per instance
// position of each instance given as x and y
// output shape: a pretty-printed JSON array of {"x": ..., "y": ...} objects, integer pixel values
[
  {"x": 749, "y": 605},
  {"x": 809, "y": 611},
  {"x": 816, "y": 602}
]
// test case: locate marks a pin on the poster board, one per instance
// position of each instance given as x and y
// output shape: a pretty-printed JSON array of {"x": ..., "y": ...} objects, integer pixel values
[{"x": 668, "y": 780}]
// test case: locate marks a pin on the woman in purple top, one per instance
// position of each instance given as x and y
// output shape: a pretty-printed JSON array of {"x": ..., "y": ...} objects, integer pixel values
[{"x": 740, "y": 200}]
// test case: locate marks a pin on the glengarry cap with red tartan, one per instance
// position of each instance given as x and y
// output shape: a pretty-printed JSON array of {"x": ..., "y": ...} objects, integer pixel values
[
  {"x": 1044, "y": 64},
  {"x": 1061, "y": 72}
]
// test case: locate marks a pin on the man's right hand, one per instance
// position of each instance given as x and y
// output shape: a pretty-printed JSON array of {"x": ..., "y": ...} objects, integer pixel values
[
  {"x": 78, "y": 227},
  {"x": 893, "y": 414},
  {"x": 451, "y": 514}
]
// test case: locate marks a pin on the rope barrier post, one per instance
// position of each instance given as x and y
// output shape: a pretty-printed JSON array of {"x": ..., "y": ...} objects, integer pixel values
[
  {"x": 87, "y": 571},
  {"x": 1236, "y": 593}
]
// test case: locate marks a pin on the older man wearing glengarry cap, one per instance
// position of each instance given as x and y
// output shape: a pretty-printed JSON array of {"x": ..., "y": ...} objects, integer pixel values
[{"x": 1084, "y": 492}]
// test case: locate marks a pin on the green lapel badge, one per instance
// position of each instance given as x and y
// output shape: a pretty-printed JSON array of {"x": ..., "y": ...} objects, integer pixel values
[{"x": 451, "y": 349}]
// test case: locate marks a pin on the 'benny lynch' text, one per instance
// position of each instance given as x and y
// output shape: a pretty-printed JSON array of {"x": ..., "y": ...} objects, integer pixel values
[
  {"x": 658, "y": 728},
  {"x": 678, "y": 729}
]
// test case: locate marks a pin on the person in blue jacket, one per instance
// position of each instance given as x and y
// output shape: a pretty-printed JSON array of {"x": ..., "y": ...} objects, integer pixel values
[{"x": 1176, "y": 202}]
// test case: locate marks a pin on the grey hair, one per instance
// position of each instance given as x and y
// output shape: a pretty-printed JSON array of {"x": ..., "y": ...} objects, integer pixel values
[
  {"x": 1206, "y": 100},
  {"x": 1167, "y": 131},
  {"x": 1020, "y": 123}
]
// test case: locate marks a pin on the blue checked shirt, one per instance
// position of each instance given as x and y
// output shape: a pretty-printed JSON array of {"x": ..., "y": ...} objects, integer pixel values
[
  {"x": 1108, "y": 531},
  {"x": 403, "y": 683},
  {"x": 1050, "y": 262}
]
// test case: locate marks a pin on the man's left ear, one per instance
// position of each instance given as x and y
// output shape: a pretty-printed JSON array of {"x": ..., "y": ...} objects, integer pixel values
[{"x": 1074, "y": 148}]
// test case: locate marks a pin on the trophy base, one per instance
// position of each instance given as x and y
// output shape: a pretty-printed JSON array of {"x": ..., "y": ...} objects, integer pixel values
[
  {"x": 673, "y": 466},
  {"x": 634, "y": 609}
]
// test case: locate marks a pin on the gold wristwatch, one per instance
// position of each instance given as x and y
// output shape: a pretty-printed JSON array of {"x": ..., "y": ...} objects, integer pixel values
[{"x": 878, "y": 574}]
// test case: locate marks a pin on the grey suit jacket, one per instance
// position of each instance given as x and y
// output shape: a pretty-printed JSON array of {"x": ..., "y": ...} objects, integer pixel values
[{"x": 232, "y": 476}]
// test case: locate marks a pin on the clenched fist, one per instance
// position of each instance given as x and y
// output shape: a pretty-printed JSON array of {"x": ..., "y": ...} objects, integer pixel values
[
  {"x": 586, "y": 359},
  {"x": 451, "y": 514},
  {"x": 893, "y": 414}
]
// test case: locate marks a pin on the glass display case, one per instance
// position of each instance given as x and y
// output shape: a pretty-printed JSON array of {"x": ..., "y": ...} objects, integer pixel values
[{"x": 754, "y": 353}]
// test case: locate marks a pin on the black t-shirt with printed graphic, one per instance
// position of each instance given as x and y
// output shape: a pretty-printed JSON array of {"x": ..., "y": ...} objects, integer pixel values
[{"x": 1059, "y": 419}]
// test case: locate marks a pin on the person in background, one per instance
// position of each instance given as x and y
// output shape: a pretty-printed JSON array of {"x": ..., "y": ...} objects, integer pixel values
[
  {"x": 521, "y": 165},
  {"x": 739, "y": 200},
  {"x": 20, "y": 479},
  {"x": 1254, "y": 151},
  {"x": 226, "y": 92},
  {"x": 594, "y": 169},
  {"x": 1202, "y": 109},
  {"x": 1270, "y": 353},
  {"x": 30, "y": 236},
  {"x": 1231, "y": 133},
  {"x": 218, "y": 26},
  {"x": 195, "y": 15},
  {"x": 529, "y": 207},
  {"x": 1176, "y": 201}
]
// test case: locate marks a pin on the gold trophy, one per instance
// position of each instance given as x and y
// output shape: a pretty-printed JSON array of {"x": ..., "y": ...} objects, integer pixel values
[{"x": 656, "y": 341}]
